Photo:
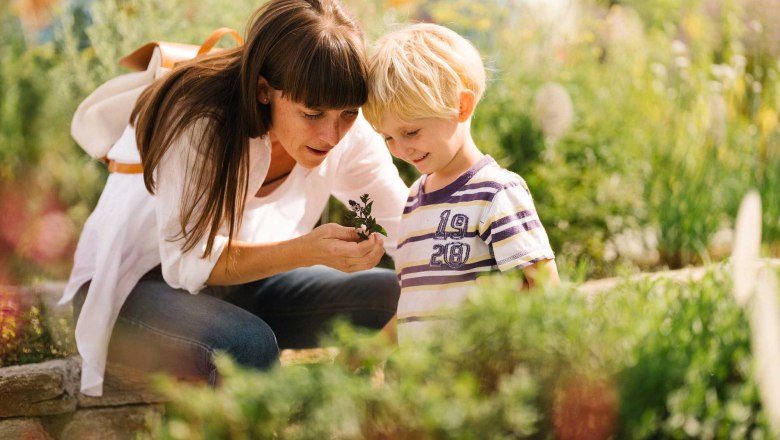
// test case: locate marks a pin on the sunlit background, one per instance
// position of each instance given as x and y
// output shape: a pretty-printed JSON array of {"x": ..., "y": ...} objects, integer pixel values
[{"x": 638, "y": 124}]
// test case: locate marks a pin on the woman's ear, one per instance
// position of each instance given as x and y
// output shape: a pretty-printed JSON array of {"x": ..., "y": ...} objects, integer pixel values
[
  {"x": 263, "y": 91},
  {"x": 467, "y": 103}
]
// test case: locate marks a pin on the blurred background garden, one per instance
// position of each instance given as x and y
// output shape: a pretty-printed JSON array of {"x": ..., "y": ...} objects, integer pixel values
[{"x": 639, "y": 126}]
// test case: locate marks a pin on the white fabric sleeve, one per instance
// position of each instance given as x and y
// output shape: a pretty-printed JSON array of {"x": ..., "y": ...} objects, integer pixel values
[
  {"x": 181, "y": 270},
  {"x": 513, "y": 228},
  {"x": 366, "y": 167}
]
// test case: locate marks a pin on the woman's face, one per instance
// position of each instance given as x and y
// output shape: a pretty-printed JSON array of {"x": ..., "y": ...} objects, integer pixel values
[{"x": 307, "y": 134}]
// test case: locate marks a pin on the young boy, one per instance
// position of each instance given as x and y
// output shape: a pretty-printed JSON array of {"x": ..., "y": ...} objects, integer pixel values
[{"x": 465, "y": 215}]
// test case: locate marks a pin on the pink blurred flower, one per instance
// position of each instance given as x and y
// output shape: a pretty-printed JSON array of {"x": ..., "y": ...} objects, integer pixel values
[{"x": 48, "y": 239}]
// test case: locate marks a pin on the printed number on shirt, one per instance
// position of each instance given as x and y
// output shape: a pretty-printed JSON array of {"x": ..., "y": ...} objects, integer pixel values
[{"x": 453, "y": 255}]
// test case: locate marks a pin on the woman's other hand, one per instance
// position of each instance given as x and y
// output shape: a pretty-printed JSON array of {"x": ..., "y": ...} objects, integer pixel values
[
  {"x": 337, "y": 246},
  {"x": 330, "y": 245}
]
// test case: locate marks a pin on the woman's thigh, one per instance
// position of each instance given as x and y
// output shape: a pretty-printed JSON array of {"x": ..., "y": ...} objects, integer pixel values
[
  {"x": 164, "y": 329},
  {"x": 298, "y": 305}
]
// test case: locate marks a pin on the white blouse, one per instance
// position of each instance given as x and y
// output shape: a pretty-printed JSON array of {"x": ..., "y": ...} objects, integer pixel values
[{"x": 127, "y": 233}]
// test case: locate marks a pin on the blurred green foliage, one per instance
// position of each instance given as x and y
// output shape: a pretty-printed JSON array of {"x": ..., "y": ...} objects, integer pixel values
[
  {"x": 639, "y": 125},
  {"x": 29, "y": 331},
  {"x": 646, "y": 359}
]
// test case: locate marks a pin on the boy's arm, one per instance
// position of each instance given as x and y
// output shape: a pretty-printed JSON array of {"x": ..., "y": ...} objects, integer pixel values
[
  {"x": 517, "y": 236},
  {"x": 542, "y": 272}
]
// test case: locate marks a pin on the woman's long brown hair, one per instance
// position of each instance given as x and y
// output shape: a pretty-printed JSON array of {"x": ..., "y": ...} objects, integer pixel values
[{"x": 311, "y": 50}]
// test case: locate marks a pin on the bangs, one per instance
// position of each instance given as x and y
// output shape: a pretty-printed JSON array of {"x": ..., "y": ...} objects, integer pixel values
[{"x": 330, "y": 73}]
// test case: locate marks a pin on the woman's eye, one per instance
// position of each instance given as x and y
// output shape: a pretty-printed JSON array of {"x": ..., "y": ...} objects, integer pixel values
[
  {"x": 349, "y": 114},
  {"x": 313, "y": 116}
]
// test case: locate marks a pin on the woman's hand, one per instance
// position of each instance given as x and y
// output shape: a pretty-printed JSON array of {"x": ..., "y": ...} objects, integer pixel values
[
  {"x": 331, "y": 245},
  {"x": 337, "y": 246}
]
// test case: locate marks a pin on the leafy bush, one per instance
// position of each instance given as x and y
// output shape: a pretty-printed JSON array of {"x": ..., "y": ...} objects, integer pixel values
[
  {"x": 647, "y": 359},
  {"x": 29, "y": 332},
  {"x": 671, "y": 117}
]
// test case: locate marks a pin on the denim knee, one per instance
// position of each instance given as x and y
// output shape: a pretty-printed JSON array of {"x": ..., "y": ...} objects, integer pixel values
[
  {"x": 251, "y": 344},
  {"x": 387, "y": 290},
  {"x": 381, "y": 304}
]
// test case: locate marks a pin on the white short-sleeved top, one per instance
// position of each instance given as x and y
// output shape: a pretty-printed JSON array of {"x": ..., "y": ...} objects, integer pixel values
[
  {"x": 127, "y": 233},
  {"x": 484, "y": 221}
]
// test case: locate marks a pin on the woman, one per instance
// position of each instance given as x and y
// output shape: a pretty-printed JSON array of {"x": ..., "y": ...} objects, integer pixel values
[{"x": 241, "y": 151}]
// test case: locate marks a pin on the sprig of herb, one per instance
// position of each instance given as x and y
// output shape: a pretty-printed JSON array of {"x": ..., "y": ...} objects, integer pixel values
[{"x": 362, "y": 220}]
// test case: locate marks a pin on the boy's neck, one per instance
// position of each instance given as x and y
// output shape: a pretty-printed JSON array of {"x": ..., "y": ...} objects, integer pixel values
[{"x": 464, "y": 159}]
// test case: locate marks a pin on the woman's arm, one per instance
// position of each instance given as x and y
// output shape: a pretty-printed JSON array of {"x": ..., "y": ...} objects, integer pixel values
[{"x": 330, "y": 245}]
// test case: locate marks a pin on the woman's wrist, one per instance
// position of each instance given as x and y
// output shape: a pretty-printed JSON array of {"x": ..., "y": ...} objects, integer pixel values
[{"x": 302, "y": 251}]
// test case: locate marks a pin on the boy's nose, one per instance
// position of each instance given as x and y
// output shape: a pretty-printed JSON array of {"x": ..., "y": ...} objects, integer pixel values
[{"x": 400, "y": 151}]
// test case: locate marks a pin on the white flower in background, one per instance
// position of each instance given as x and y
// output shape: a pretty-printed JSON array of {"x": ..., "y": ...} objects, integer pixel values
[
  {"x": 681, "y": 55},
  {"x": 716, "y": 126},
  {"x": 658, "y": 69},
  {"x": 679, "y": 48},
  {"x": 553, "y": 111},
  {"x": 747, "y": 242},
  {"x": 756, "y": 288},
  {"x": 765, "y": 338},
  {"x": 724, "y": 73},
  {"x": 739, "y": 62},
  {"x": 682, "y": 62},
  {"x": 635, "y": 245},
  {"x": 721, "y": 243}
]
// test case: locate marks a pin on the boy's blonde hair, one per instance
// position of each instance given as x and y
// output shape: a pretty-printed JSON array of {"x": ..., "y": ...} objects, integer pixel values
[{"x": 419, "y": 72}]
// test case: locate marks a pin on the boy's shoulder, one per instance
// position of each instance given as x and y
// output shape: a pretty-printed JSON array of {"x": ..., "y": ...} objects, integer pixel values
[
  {"x": 414, "y": 188},
  {"x": 500, "y": 176}
]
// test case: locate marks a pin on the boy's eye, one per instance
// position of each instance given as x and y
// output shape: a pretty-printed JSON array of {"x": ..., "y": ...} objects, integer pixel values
[
  {"x": 314, "y": 115},
  {"x": 411, "y": 133}
]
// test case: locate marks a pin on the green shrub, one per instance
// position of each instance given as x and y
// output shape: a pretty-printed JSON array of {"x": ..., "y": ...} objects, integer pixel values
[
  {"x": 29, "y": 332},
  {"x": 674, "y": 119},
  {"x": 646, "y": 359}
]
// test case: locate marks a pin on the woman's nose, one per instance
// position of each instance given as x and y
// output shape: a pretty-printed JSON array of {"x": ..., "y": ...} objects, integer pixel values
[{"x": 332, "y": 132}]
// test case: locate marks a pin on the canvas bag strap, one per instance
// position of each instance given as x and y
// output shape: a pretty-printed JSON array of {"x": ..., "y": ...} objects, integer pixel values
[
  {"x": 216, "y": 36},
  {"x": 171, "y": 54}
]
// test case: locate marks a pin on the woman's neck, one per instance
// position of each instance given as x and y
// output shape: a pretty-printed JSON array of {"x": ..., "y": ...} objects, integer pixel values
[
  {"x": 281, "y": 163},
  {"x": 280, "y": 167}
]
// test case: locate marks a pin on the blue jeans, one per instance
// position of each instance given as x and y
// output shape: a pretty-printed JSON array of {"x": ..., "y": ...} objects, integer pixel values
[{"x": 165, "y": 329}]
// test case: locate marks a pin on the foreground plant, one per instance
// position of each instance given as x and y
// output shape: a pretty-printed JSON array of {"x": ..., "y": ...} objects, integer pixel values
[
  {"x": 29, "y": 333},
  {"x": 363, "y": 221},
  {"x": 648, "y": 359}
]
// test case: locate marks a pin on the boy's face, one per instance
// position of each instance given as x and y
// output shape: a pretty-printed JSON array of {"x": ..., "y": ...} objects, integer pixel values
[{"x": 432, "y": 145}]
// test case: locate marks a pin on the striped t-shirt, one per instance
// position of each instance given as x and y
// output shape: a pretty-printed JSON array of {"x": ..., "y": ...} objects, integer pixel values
[{"x": 483, "y": 221}]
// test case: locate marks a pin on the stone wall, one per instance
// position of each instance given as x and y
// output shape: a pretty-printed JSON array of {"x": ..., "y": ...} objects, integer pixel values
[{"x": 42, "y": 401}]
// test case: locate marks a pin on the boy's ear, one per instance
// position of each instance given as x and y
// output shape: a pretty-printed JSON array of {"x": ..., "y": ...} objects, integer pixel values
[
  {"x": 467, "y": 103},
  {"x": 263, "y": 91}
]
